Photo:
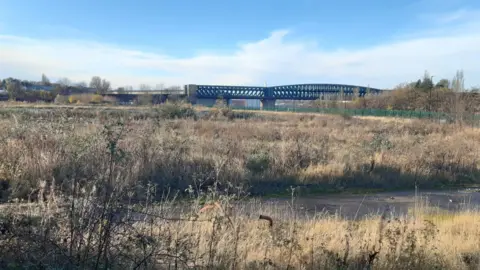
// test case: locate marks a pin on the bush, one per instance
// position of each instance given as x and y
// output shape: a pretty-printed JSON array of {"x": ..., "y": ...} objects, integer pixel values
[
  {"x": 258, "y": 163},
  {"x": 96, "y": 99},
  {"x": 174, "y": 111},
  {"x": 60, "y": 99}
]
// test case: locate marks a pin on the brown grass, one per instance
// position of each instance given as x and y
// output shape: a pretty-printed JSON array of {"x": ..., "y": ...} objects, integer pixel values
[
  {"x": 41, "y": 237},
  {"x": 265, "y": 153},
  {"x": 106, "y": 181}
]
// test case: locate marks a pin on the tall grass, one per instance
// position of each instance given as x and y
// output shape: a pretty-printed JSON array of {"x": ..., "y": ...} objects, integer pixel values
[
  {"x": 116, "y": 189},
  {"x": 178, "y": 148},
  {"x": 145, "y": 235}
]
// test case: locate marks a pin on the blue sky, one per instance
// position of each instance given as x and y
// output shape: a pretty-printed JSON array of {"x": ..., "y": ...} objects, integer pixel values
[{"x": 376, "y": 43}]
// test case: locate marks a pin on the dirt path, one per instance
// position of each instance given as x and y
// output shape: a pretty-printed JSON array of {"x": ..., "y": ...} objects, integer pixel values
[{"x": 398, "y": 203}]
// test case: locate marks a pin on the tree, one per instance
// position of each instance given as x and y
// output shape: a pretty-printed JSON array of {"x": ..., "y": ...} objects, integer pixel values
[
  {"x": 81, "y": 84},
  {"x": 145, "y": 87},
  {"x": 14, "y": 89},
  {"x": 174, "y": 88},
  {"x": 64, "y": 82},
  {"x": 443, "y": 83},
  {"x": 160, "y": 86},
  {"x": 458, "y": 87},
  {"x": 426, "y": 84},
  {"x": 356, "y": 92},
  {"x": 101, "y": 85},
  {"x": 45, "y": 80},
  {"x": 418, "y": 84},
  {"x": 458, "y": 82}
]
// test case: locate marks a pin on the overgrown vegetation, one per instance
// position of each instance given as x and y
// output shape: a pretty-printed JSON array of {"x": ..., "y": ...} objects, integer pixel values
[
  {"x": 121, "y": 189},
  {"x": 175, "y": 146},
  {"x": 447, "y": 96}
]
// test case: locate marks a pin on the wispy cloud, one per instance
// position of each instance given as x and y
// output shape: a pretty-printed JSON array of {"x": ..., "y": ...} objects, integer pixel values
[{"x": 272, "y": 59}]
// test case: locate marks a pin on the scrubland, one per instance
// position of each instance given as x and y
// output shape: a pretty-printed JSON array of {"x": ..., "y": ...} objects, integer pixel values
[{"x": 90, "y": 188}]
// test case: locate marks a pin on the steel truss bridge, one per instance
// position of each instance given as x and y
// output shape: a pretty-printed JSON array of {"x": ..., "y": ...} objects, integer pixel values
[
  {"x": 208, "y": 94},
  {"x": 290, "y": 92}
]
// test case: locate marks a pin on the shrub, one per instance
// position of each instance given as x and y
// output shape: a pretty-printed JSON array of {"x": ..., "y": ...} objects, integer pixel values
[
  {"x": 96, "y": 99},
  {"x": 72, "y": 99},
  {"x": 258, "y": 163},
  {"x": 175, "y": 110},
  {"x": 61, "y": 99}
]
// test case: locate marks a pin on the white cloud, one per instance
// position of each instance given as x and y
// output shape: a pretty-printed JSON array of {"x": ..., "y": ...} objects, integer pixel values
[{"x": 273, "y": 59}]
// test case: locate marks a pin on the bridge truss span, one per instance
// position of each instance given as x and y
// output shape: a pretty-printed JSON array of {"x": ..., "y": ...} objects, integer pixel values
[
  {"x": 315, "y": 91},
  {"x": 230, "y": 92},
  {"x": 295, "y": 91}
]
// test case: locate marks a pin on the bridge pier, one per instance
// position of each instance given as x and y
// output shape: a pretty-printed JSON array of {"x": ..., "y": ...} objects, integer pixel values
[
  {"x": 191, "y": 91},
  {"x": 268, "y": 103}
]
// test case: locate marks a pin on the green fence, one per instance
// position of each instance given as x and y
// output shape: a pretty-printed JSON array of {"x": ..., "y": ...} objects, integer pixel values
[{"x": 473, "y": 119}]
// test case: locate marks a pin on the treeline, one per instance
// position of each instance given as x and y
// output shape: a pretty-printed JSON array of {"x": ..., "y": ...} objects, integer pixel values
[
  {"x": 64, "y": 91},
  {"x": 448, "y": 96},
  {"x": 31, "y": 91}
]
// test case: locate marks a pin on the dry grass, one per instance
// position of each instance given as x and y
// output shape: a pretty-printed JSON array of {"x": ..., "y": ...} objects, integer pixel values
[
  {"x": 106, "y": 180},
  {"x": 265, "y": 153},
  {"x": 41, "y": 237}
]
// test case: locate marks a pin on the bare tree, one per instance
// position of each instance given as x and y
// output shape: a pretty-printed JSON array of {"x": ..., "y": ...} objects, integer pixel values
[
  {"x": 101, "y": 85},
  {"x": 458, "y": 87},
  {"x": 64, "y": 82},
  {"x": 14, "y": 89},
  {"x": 458, "y": 82},
  {"x": 81, "y": 84},
  {"x": 145, "y": 87},
  {"x": 174, "y": 88},
  {"x": 160, "y": 86}
]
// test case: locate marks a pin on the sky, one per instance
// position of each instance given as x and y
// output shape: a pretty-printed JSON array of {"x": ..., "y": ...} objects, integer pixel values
[{"x": 275, "y": 42}]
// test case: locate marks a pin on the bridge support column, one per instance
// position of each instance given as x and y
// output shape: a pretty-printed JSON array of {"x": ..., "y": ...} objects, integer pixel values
[
  {"x": 268, "y": 103},
  {"x": 191, "y": 92}
]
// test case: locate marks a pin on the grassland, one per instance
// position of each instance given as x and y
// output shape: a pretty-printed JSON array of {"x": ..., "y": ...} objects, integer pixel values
[{"x": 103, "y": 184}]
